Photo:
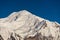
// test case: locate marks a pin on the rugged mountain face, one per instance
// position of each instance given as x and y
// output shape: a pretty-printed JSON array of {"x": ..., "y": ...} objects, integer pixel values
[{"x": 23, "y": 25}]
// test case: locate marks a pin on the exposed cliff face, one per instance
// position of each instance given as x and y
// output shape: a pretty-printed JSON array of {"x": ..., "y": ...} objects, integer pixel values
[{"x": 25, "y": 26}]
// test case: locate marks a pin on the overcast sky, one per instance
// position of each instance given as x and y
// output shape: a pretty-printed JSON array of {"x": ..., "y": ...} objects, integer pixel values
[{"x": 48, "y": 9}]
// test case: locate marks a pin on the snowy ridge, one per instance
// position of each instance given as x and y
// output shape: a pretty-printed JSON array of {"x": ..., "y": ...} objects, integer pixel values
[{"x": 23, "y": 24}]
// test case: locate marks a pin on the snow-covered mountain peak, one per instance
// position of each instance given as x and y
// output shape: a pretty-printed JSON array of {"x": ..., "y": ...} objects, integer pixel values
[{"x": 23, "y": 25}]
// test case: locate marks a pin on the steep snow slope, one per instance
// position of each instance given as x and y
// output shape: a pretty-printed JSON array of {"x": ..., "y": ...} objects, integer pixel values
[{"x": 24, "y": 25}]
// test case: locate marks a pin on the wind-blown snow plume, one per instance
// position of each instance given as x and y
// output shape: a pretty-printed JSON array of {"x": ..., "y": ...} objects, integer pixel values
[{"x": 24, "y": 25}]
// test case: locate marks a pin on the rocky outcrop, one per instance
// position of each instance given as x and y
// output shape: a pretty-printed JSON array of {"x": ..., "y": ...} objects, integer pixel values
[{"x": 23, "y": 25}]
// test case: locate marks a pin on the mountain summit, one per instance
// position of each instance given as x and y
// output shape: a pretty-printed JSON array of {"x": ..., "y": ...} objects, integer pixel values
[{"x": 24, "y": 25}]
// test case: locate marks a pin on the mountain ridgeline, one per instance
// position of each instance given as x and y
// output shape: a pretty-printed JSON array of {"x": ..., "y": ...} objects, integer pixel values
[{"x": 24, "y": 25}]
